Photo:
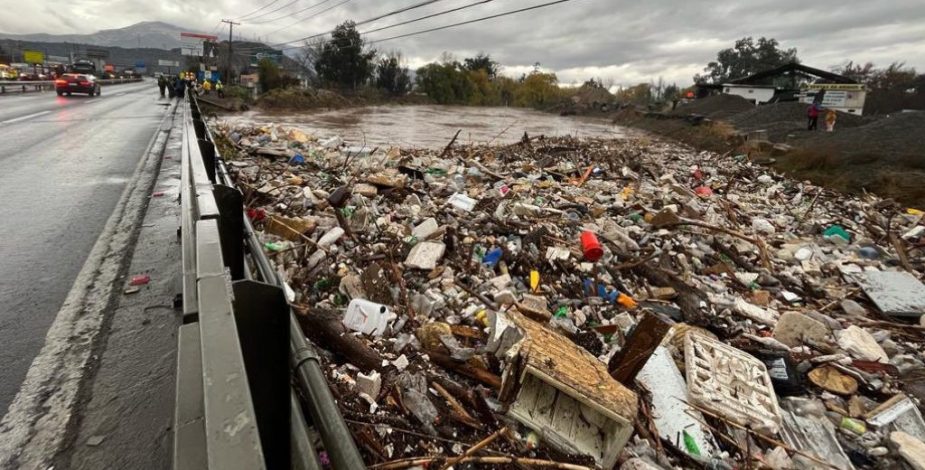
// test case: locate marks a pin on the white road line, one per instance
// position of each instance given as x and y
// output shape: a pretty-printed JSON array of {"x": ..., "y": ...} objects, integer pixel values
[
  {"x": 34, "y": 428},
  {"x": 23, "y": 118}
]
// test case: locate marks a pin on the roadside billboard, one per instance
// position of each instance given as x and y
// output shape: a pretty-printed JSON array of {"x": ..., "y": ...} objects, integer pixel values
[
  {"x": 192, "y": 43},
  {"x": 33, "y": 57},
  {"x": 168, "y": 63}
]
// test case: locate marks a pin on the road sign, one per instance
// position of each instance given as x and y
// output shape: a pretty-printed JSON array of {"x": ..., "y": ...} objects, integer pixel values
[
  {"x": 168, "y": 63},
  {"x": 33, "y": 57}
]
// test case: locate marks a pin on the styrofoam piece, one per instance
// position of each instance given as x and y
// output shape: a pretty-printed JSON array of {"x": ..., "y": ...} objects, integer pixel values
[
  {"x": 462, "y": 201},
  {"x": 895, "y": 293},
  {"x": 425, "y": 255},
  {"x": 367, "y": 317},
  {"x": 730, "y": 383},
  {"x": 673, "y": 416}
]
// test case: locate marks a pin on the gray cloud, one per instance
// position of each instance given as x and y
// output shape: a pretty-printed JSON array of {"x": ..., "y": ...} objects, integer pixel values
[{"x": 618, "y": 40}]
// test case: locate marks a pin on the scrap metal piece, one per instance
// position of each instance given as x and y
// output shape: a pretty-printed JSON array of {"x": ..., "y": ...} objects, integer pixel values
[
  {"x": 730, "y": 383},
  {"x": 896, "y": 293}
]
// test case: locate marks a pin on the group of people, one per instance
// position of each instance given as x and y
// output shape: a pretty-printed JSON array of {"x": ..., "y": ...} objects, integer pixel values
[
  {"x": 176, "y": 86},
  {"x": 813, "y": 112}
]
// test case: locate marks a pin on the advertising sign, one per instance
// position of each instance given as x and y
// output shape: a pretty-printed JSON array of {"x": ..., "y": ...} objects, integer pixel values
[
  {"x": 168, "y": 63},
  {"x": 33, "y": 57}
]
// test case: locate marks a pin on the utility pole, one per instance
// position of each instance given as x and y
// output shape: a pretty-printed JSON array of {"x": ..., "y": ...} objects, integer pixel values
[{"x": 230, "y": 49}]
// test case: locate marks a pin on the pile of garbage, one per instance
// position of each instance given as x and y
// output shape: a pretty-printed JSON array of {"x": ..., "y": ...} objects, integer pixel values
[{"x": 566, "y": 303}]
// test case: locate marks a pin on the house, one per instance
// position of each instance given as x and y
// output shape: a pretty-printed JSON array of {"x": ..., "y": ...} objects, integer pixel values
[{"x": 796, "y": 82}]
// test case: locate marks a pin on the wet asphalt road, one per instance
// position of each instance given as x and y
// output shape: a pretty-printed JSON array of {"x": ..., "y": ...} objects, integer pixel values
[{"x": 64, "y": 162}]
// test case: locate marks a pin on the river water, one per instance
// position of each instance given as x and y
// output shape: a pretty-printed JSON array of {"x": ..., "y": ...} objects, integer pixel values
[{"x": 430, "y": 126}]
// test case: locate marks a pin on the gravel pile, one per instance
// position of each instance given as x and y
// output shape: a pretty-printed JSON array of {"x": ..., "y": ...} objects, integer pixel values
[
  {"x": 895, "y": 139},
  {"x": 716, "y": 106},
  {"x": 787, "y": 118}
]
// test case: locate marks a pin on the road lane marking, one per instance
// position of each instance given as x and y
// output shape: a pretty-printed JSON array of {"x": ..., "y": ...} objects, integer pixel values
[
  {"x": 23, "y": 118},
  {"x": 34, "y": 428}
]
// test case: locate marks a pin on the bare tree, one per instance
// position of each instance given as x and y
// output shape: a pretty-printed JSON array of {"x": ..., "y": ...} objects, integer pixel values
[{"x": 307, "y": 56}]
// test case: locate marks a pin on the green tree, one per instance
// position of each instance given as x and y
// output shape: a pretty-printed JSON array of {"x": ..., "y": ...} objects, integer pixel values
[
  {"x": 483, "y": 61},
  {"x": 537, "y": 90},
  {"x": 343, "y": 61},
  {"x": 268, "y": 75},
  {"x": 445, "y": 83},
  {"x": 391, "y": 76},
  {"x": 745, "y": 58}
]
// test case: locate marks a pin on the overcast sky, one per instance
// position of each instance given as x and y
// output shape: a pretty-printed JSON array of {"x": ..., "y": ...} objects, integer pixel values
[{"x": 620, "y": 41}]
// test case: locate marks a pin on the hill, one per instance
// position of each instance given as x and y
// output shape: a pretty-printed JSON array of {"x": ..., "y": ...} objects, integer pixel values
[{"x": 144, "y": 35}]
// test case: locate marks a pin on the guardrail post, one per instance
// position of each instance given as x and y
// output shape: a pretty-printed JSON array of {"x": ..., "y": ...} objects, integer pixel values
[
  {"x": 262, "y": 317},
  {"x": 207, "y": 149},
  {"x": 230, "y": 203}
]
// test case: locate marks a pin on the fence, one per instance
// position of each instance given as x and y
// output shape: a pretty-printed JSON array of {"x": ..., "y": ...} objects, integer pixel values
[{"x": 240, "y": 346}]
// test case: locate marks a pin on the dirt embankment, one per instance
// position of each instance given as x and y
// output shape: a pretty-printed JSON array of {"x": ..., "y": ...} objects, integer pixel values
[{"x": 880, "y": 154}]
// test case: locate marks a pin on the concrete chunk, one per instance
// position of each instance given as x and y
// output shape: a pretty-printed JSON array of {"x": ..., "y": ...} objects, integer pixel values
[
  {"x": 861, "y": 345},
  {"x": 794, "y": 329}
]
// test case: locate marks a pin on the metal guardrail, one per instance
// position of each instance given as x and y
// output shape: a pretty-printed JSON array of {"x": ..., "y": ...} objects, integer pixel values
[
  {"x": 12, "y": 86},
  {"x": 240, "y": 346}
]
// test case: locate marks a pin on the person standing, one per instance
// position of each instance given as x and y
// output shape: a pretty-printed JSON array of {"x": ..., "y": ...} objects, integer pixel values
[
  {"x": 206, "y": 86},
  {"x": 830, "y": 118},
  {"x": 220, "y": 89},
  {"x": 162, "y": 84},
  {"x": 813, "y": 114},
  {"x": 180, "y": 88}
]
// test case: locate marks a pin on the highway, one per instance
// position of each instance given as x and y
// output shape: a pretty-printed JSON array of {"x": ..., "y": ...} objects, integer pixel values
[{"x": 64, "y": 162}]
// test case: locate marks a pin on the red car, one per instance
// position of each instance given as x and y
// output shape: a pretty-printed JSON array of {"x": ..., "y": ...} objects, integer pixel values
[{"x": 76, "y": 83}]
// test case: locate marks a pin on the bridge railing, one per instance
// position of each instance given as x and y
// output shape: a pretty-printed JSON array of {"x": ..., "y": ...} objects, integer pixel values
[{"x": 240, "y": 347}]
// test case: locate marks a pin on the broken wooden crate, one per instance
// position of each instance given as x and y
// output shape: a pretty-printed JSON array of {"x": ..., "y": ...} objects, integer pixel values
[{"x": 561, "y": 391}]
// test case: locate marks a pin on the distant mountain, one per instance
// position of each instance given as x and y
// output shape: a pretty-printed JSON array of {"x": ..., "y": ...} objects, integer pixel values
[{"x": 147, "y": 34}]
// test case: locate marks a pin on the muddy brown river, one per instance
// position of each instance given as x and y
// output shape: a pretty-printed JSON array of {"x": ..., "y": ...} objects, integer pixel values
[{"x": 433, "y": 126}]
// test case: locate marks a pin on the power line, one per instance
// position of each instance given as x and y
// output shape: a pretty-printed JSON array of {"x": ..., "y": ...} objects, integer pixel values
[
  {"x": 433, "y": 15},
  {"x": 255, "y": 11},
  {"x": 414, "y": 33},
  {"x": 308, "y": 17},
  {"x": 484, "y": 18},
  {"x": 251, "y": 19},
  {"x": 271, "y": 20},
  {"x": 366, "y": 21}
]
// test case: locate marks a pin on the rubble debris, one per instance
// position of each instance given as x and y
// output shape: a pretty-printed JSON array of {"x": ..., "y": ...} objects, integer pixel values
[{"x": 449, "y": 290}]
